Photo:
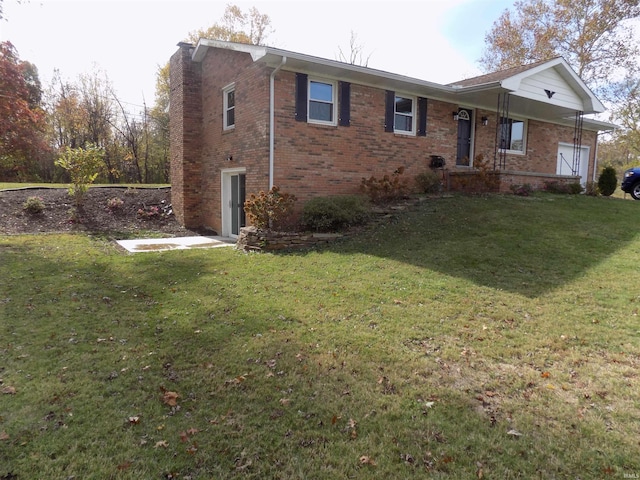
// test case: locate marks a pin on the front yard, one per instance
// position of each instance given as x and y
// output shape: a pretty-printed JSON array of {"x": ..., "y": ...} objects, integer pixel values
[{"x": 476, "y": 337}]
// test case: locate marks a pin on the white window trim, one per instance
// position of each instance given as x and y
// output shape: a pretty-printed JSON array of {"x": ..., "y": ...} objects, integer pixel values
[
  {"x": 334, "y": 101},
  {"x": 525, "y": 128},
  {"x": 414, "y": 119},
  {"x": 225, "y": 108}
]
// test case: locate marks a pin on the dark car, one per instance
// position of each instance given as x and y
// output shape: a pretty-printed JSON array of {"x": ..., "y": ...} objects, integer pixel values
[{"x": 631, "y": 182}]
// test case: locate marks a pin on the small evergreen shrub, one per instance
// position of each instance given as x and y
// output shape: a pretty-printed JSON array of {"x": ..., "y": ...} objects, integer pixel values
[
  {"x": 607, "y": 181},
  {"x": 428, "y": 182},
  {"x": 269, "y": 209},
  {"x": 329, "y": 214},
  {"x": 386, "y": 189},
  {"x": 33, "y": 205}
]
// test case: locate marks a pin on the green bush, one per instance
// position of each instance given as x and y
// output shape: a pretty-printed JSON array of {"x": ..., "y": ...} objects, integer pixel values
[
  {"x": 325, "y": 214},
  {"x": 83, "y": 166},
  {"x": 607, "y": 181},
  {"x": 33, "y": 205},
  {"x": 428, "y": 182}
]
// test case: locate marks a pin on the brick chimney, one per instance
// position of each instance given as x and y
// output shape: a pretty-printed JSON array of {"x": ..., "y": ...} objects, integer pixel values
[{"x": 185, "y": 133}]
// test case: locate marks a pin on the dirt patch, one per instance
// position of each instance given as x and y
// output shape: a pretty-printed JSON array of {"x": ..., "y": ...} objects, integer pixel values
[{"x": 137, "y": 210}]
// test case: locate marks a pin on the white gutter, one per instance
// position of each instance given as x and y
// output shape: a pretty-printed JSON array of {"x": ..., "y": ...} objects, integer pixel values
[{"x": 272, "y": 117}]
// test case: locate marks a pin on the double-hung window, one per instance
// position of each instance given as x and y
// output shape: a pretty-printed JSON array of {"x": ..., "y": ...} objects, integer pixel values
[
  {"x": 322, "y": 102},
  {"x": 513, "y": 135},
  {"x": 404, "y": 113},
  {"x": 229, "y": 107}
]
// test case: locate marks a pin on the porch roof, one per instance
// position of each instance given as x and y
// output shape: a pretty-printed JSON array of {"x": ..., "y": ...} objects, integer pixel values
[{"x": 549, "y": 91}]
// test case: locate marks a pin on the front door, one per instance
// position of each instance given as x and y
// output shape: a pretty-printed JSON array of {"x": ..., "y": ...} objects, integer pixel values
[
  {"x": 464, "y": 137},
  {"x": 233, "y": 197}
]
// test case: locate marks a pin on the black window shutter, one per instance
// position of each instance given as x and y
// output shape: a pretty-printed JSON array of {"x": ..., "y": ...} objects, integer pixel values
[
  {"x": 422, "y": 117},
  {"x": 301, "y": 97},
  {"x": 389, "y": 110},
  {"x": 345, "y": 104}
]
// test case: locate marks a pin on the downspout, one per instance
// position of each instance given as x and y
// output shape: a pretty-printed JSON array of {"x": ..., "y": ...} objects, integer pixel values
[{"x": 272, "y": 119}]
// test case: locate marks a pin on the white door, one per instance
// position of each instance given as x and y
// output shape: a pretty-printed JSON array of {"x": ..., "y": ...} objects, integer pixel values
[
  {"x": 233, "y": 197},
  {"x": 565, "y": 163}
]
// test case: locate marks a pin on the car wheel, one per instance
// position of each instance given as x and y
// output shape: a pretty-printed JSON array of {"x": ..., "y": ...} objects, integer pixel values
[{"x": 635, "y": 191}]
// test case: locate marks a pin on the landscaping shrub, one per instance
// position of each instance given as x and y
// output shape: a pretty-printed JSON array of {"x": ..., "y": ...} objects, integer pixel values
[
  {"x": 83, "y": 166},
  {"x": 607, "y": 181},
  {"x": 34, "y": 205},
  {"x": 523, "y": 190},
  {"x": 553, "y": 186},
  {"x": 591, "y": 189},
  {"x": 324, "y": 214},
  {"x": 269, "y": 209},
  {"x": 115, "y": 204},
  {"x": 428, "y": 182},
  {"x": 386, "y": 189}
]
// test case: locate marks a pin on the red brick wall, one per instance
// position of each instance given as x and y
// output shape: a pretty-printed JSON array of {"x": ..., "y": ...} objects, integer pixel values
[
  {"x": 185, "y": 127},
  {"x": 310, "y": 160},
  {"x": 248, "y": 143},
  {"x": 314, "y": 160},
  {"x": 542, "y": 145}
]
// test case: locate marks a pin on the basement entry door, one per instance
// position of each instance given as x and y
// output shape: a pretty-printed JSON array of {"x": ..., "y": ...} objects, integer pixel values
[
  {"x": 565, "y": 161},
  {"x": 233, "y": 197}
]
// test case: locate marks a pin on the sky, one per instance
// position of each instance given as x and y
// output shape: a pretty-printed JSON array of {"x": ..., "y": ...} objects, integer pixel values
[{"x": 435, "y": 40}]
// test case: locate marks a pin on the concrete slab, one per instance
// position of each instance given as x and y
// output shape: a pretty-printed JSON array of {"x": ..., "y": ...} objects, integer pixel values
[{"x": 178, "y": 243}]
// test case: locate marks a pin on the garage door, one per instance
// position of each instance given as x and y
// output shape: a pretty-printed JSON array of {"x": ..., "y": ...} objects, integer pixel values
[{"x": 565, "y": 161}]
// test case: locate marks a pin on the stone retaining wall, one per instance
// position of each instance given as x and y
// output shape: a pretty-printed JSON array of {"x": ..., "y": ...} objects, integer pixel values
[{"x": 252, "y": 239}]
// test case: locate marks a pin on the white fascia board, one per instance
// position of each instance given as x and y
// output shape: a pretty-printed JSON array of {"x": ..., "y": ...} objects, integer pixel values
[{"x": 256, "y": 51}]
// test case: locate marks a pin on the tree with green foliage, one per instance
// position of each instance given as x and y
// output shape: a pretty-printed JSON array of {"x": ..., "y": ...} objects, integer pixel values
[
  {"x": 607, "y": 181},
  {"x": 83, "y": 165}
]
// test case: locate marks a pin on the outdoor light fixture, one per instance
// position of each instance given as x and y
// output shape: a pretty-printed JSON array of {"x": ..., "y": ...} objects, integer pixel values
[
  {"x": 485, "y": 121},
  {"x": 455, "y": 116}
]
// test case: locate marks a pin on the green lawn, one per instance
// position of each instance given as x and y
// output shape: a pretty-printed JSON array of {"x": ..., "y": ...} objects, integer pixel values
[{"x": 476, "y": 337}]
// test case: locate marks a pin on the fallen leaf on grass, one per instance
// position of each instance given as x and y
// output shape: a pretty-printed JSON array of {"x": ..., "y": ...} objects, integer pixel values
[
  {"x": 514, "y": 432},
  {"x": 161, "y": 443},
  {"x": 125, "y": 466},
  {"x": 366, "y": 460},
  {"x": 545, "y": 374},
  {"x": 285, "y": 401},
  {"x": 134, "y": 420},
  {"x": 8, "y": 390},
  {"x": 4, "y": 435},
  {"x": 170, "y": 398}
]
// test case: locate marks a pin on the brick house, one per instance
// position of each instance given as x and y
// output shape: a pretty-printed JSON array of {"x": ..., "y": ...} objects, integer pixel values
[{"x": 244, "y": 118}]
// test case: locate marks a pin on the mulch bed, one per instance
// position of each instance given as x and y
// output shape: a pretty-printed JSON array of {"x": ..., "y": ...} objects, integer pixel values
[{"x": 147, "y": 209}]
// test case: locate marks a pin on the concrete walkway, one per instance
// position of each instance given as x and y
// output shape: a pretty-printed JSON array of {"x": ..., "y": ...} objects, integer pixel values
[{"x": 178, "y": 243}]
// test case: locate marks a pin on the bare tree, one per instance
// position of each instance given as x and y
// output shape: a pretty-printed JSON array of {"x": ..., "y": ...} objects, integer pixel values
[{"x": 356, "y": 52}]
